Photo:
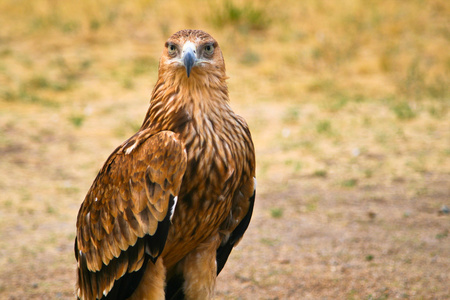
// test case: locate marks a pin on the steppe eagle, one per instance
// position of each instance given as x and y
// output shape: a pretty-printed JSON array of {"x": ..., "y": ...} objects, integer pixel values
[{"x": 170, "y": 203}]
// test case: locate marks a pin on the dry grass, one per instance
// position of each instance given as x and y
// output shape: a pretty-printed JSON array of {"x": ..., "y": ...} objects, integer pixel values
[{"x": 348, "y": 102}]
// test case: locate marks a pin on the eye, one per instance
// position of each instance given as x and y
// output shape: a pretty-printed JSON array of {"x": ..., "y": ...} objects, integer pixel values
[
  {"x": 209, "y": 49},
  {"x": 172, "y": 49}
]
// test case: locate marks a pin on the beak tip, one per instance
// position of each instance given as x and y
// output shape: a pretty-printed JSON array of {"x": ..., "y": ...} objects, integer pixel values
[{"x": 189, "y": 61}]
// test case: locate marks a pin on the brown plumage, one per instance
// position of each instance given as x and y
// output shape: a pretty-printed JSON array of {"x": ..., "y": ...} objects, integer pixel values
[{"x": 170, "y": 203}]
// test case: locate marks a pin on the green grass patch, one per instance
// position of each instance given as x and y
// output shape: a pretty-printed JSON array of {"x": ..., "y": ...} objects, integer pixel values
[
  {"x": 369, "y": 257},
  {"x": 42, "y": 83},
  {"x": 368, "y": 173},
  {"x": 50, "y": 210},
  {"x": 23, "y": 95},
  {"x": 291, "y": 115},
  {"x": 323, "y": 127},
  {"x": 320, "y": 173},
  {"x": 77, "y": 120},
  {"x": 5, "y": 52},
  {"x": 442, "y": 235},
  {"x": 276, "y": 212},
  {"x": 403, "y": 111},
  {"x": 128, "y": 83},
  {"x": 244, "y": 16},
  {"x": 349, "y": 183}
]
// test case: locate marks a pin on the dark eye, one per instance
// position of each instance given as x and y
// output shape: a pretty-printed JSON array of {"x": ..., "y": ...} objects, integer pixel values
[
  {"x": 172, "y": 49},
  {"x": 209, "y": 49}
]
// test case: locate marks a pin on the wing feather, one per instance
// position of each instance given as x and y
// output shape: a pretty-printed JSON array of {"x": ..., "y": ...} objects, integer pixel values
[
  {"x": 238, "y": 221},
  {"x": 127, "y": 211}
]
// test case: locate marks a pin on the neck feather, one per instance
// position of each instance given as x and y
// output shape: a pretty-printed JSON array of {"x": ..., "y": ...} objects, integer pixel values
[{"x": 177, "y": 99}]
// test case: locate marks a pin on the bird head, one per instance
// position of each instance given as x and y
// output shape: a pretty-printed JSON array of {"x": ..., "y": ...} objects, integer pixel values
[{"x": 192, "y": 53}]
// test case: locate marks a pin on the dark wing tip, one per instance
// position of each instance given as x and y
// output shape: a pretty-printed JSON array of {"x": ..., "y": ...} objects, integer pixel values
[{"x": 125, "y": 286}]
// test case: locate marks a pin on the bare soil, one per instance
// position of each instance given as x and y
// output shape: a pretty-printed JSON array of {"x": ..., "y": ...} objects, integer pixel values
[{"x": 369, "y": 242}]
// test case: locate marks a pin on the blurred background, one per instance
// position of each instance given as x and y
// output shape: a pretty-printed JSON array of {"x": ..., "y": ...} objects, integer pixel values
[{"x": 348, "y": 103}]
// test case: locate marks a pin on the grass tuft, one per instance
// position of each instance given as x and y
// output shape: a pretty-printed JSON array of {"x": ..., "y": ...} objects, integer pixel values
[
  {"x": 369, "y": 257},
  {"x": 323, "y": 127},
  {"x": 291, "y": 115},
  {"x": 403, "y": 111},
  {"x": 442, "y": 235},
  {"x": 25, "y": 96},
  {"x": 243, "y": 16},
  {"x": 320, "y": 173},
  {"x": 349, "y": 183},
  {"x": 276, "y": 212},
  {"x": 77, "y": 120}
]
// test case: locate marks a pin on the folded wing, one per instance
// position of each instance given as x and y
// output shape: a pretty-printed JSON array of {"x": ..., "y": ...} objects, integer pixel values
[
  {"x": 125, "y": 217},
  {"x": 238, "y": 221}
]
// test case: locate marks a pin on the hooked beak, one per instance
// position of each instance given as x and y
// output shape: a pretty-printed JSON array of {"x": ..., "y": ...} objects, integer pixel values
[{"x": 189, "y": 57}]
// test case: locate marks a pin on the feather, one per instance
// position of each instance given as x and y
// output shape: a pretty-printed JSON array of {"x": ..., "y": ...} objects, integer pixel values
[{"x": 121, "y": 241}]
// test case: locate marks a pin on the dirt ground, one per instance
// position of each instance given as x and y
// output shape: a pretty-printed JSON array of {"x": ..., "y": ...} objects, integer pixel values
[
  {"x": 370, "y": 243},
  {"x": 373, "y": 242},
  {"x": 348, "y": 103}
]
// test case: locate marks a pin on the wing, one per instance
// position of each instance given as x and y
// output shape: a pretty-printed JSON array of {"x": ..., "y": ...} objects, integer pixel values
[
  {"x": 243, "y": 202},
  {"x": 125, "y": 217}
]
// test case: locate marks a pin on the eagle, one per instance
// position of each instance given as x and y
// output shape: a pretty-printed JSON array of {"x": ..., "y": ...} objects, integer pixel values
[{"x": 166, "y": 209}]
